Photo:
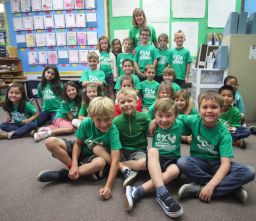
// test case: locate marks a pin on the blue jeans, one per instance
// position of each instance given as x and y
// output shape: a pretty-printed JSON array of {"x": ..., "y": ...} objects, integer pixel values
[
  {"x": 19, "y": 130},
  {"x": 241, "y": 132},
  {"x": 201, "y": 172},
  {"x": 45, "y": 116}
]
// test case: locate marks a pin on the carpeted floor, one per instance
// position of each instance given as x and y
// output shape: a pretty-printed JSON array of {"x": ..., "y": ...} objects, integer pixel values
[{"x": 23, "y": 198}]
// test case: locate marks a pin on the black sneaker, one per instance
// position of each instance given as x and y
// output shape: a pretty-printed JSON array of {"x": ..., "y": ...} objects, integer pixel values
[
  {"x": 189, "y": 190},
  {"x": 132, "y": 197},
  {"x": 129, "y": 175},
  {"x": 169, "y": 205},
  {"x": 50, "y": 176},
  {"x": 253, "y": 130},
  {"x": 241, "y": 194}
]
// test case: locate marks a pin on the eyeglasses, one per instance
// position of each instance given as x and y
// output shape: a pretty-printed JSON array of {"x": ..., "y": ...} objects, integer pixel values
[{"x": 49, "y": 72}]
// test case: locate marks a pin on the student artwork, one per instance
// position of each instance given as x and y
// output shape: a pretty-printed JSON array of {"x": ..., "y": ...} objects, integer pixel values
[
  {"x": 91, "y": 19},
  {"x": 46, "y": 5},
  {"x": 42, "y": 57},
  {"x": 63, "y": 56},
  {"x": 25, "y": 5},
  {"x": 27, "y": 23},
  {"x": 15, "y": 6},
  {"x": 59, "y": 21},
  {"x": 30, "y": 40},
  {"x": 90, "y": 4},
  {"x": 70, "y": 20},
  {"x": 61, "y": 39},
  {"x": 83, "y": 56},
  {"x": 40, "y": 40},
  {"x": 71, "y": 38},
  {"x": 80, "y": 20},
  {"x": 92, "y": 38},
  {"x": 52, "y": 57},
  {"x": 32, "y": 58},
  {"x": 38, "y": 22},
  {"x": 58, "y": 5},
  {"x": 17, "y": 24},
  {"x": 48, "y": 22},
  {"x": 79, "y": 4},
  {"x": 68, "y": 4},
  {"x": 50, "y": 39},
  {"x": 36, "y": 5},
  {"x": 81, "y": 38},
  {"x": 21, "y": 41},
  {"x": 73, "y": 56}
]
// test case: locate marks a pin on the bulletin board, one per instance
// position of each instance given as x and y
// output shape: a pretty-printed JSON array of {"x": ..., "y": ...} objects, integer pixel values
[
  {"x": 55, "y": 32},
  {"x": 166, "y": 17}
]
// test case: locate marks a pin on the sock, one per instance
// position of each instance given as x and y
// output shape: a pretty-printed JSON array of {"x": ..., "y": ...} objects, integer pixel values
[
  {"x": 124, "y": 168},
  {"x": 161, "y": 190},
  {"x": 140, "y": 190}
]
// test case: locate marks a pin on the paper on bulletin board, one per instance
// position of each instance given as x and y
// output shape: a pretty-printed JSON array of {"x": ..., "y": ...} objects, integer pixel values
[
  {"x": 36, "y": 5},
  {"x": 20, "y": 39},
  {"x": 92, "y": 38},
  {"x": 27, "y": 23},
  {"x": 83, "y": 56},
  {"x": 73, "y": 56},
  {"x": 38, "y": 22},
  {"x": 80, "y": 20},
  {"x": 42, "y": 57},
  {"x": 30, "y": 40},
  {"x": 188, "y": 8},
  {"x": 17, "y": 24},
  {"x": 124, "y": 7},
  {"x": 252, "y": 53},
  {"x": 191, "y": 33},
  {"x": 50, "y": 39},
  {"x": 32, "y": 58},
  {"x": 52, "y": 57},
  {"x": 71, "y": 38},
  {"x": 218, "y": 12},
  {"x": 46, "y": 5},
  {"x": 57, "y": 5},
  {"x": 159, "y": 12},
  {"x": 40, "y": 40},
  {"x": 25, "y": 5},
  {"x": 61, "y": 38},
  {"x": 15, "y": 6},
  {"x": 121, "y": 34},
  {"x": 48, "y": 21},
  {"x": 59, "y": 21},
  {"x": 161, "y": 28},
  {"x": 79, "y": 4},
  {"x": 63, "y": 54},
  {"x": 90, "y": 4},
  {"x": 69, "y": 4},
  {"x": 81, "y": 38},
  {"x": 70, "y": 20}
]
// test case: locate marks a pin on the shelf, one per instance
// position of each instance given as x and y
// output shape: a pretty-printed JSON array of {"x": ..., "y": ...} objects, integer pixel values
[
  {"x": 9, "y": 59},
  {"x": 7, "y": 72}
]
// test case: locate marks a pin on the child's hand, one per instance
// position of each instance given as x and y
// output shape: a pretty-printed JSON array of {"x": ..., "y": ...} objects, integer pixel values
[
  {"x": 73, "y": 172},
  {"x": 8, "y": 119},
  {"x": 232, "y": 129},
  {"x": 189, "y": 139},
  {"x": 105, "y": 193},
  {"x": 26, "y": 121},
  {"x": 206, "y": 193}
]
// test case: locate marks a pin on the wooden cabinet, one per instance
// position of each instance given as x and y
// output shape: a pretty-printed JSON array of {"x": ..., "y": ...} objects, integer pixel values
[{"x": 11, "y": 70}]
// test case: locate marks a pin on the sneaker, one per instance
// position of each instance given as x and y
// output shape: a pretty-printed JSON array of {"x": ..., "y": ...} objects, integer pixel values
[
  {"x": 189, "y": 190},
  {"x": 50, "y": 176},
  {"x": 132, "y": 197},
  {"x": 3, "y": 135},
  {"x": 253, "y": 130},
  {"x": 76, "y": 123},
  {"x": 241, "y": 194},
  {"x": 239, "y": 143},
  {"x": 169, "y": 205},
  {"x": 41, "y": 135},
  {"x": 129, "y": 175},
  {"x": 43, "y": 129},
  {"x": 97, "y": 175}
]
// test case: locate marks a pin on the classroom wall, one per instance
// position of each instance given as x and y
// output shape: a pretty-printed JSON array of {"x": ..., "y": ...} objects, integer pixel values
[{"x": 122, "y": 23}]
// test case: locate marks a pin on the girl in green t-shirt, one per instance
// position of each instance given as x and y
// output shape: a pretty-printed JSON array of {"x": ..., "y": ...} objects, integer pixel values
[
  {"x": 68, "y": 111},
  {"x": 116, "y": 47},
  {"x": 22, "y": 112}
]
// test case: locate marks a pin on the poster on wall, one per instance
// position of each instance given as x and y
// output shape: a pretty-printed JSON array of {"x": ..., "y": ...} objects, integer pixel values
[
  {"x": 124, "y": 7},
  {"x": 188, "y": 8},
  {"x": 159, "y": 12}
]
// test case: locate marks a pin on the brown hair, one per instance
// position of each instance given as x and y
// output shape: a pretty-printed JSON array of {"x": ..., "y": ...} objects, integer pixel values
[
  {"x": 170, "y": 71},
  {"x": 165, "y": 86},
  {"x": 166, "y": 104},
  {"x": 136, "y": 12},
  {"x": 98, "y": 45},
  {"x": 210, "y": 95}
]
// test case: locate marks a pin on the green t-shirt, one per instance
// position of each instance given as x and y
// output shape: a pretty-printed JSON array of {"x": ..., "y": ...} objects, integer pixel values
[
  {"x": 134, "y": 34},
  {"x": 105, "y": 63},
  {"x": 178, "y": 59},
  {"x": 133, "y": 130},
  {"x": 51, "y": 101},
  {"x": 119, "y": 60},
  {"x": 231, "y": 118},
  {"x": 93, "y": 75},
  {"x": 175, "y": 87},
  {"x": 208, "y": 143},
  {"x": 194, "y": 111},
  {"x": 135, "y": 78},
  {"x": 162, "y": 61},
  {"x": 67, "y": 107},
  {"x": 149, "y": 92},
  {"x": 90, "y": 136},
  {"x": 167, "y": 141},
  {"x": 29, "y": 111},
  {"x": 151, "y": 111},
  {"x": 145, "y": 54},
  {"x": 83, "y": 110}
]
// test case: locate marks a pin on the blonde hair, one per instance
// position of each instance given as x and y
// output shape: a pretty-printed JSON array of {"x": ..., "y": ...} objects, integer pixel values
[
  {"x": 150, "y": 66},
  {"x": 101, "y": 107},
  {"x": 92, "y": 55},
  {"x": 179, "y": 32},
  {"x": 167, "y": 87},
  {"x": 127, "y": 91},
  {"x": 164, "y": 105},
  {"x": 170, "y": 71},
  {"x": 98, "y": 45},
  {"x": 210, "y": 95},
  {"x": 135, "y": 13}
]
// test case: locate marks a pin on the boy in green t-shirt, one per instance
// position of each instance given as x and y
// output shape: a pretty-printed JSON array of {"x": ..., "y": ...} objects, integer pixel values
[
  {"x": 92, "y": 74},
  {"x": 163, "y": 52},
  {"x": 180, "y": 59},
  {"x": 94, "y": 133},
  {"x": 209, "y": 165},
  {"x": 145, "y": 54},
  {"x": 232, "y": 118},
  {"x": 162, "y": 158}
]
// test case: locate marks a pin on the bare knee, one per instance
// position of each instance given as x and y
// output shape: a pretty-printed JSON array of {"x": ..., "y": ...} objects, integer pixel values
[
  {"x": 99, "y": 163},
  {"x": 51, "y": 143},
  {"x": 173, "y": 170},
  {"x": 98, "y": 150},
  {"x": 142, "y": 163},
  {"x": 152, "y": 153}
]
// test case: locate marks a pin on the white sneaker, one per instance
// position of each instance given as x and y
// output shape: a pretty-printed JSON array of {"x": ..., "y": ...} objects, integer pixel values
[
  {"x": 76, "y": 122},
  {"x": 42, "y": 135},
  {"x": 44, "y": 129}
]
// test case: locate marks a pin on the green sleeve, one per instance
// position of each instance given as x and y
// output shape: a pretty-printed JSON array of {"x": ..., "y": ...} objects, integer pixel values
[
  {"x": 39, "y": 90},
  {"x": 136, "y": 82},
  {"x": 153, "y": 34},
  {"x": 151, "y": 111},
  {"x": 84, "y": 76},
  {"x": 118, "y": 84},
  {"x": 189, "y": 59},
  {"x": 64, "y": 107},
  {"x": 83, "y": 110},
  {"x": 114, "y": 139},
  {"x": 236, "y": 119},
  {"x": 30, "y": 109}
]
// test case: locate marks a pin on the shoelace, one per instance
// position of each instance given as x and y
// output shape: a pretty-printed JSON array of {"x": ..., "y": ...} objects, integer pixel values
[{"x": 167, "y": 199}]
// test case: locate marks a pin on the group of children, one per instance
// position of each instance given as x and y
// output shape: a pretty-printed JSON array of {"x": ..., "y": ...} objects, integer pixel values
[{"x": 112, "y": 131}]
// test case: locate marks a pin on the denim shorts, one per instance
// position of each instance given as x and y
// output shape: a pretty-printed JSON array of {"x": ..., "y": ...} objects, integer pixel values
[{"x": 83, "y": 159}]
